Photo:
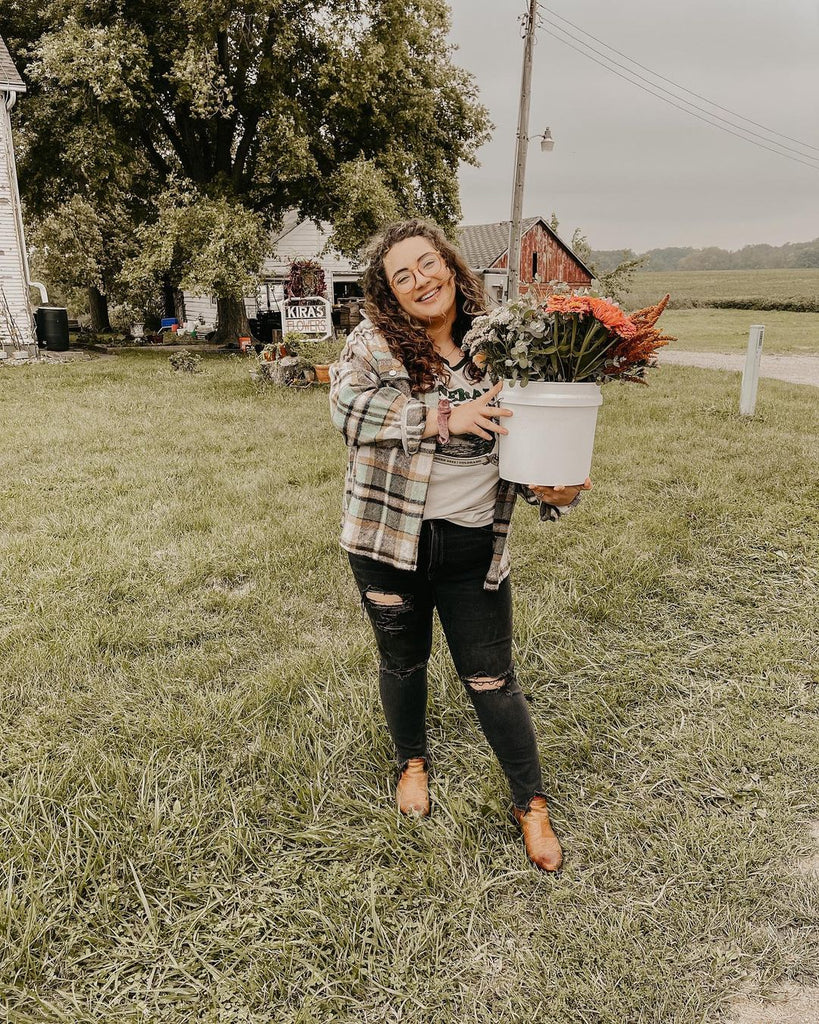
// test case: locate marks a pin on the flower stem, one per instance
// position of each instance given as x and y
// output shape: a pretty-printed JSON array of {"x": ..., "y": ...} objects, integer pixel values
[{"x": 595, "y": 329}]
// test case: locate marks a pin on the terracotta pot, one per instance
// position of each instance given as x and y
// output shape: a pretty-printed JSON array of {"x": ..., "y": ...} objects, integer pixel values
[{"x": 322, "y": 373}]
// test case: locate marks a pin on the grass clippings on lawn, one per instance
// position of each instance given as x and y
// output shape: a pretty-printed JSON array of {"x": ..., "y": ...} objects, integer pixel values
[{"x": 196, "y": 808}]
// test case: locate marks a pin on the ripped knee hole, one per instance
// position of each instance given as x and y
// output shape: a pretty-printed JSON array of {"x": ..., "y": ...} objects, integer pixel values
[
  {"x": 482, "y": 683},
  {"x": 384, "y": 599}
]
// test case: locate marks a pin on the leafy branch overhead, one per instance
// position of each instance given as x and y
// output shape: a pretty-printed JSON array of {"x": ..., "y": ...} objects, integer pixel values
[{"x": 349, "y": 111}]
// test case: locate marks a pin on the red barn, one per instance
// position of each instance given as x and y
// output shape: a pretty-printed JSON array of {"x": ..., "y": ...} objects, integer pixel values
[{"x": 544, "y": 256}]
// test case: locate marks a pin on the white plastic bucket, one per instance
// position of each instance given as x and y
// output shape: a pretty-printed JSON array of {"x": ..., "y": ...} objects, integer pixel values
[{"x": 551, "y": 435}]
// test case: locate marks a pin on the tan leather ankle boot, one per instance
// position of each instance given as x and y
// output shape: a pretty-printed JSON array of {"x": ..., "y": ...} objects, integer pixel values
[
  {"x": 542, "y": 844},
  {"x": 412, "y": 792}
]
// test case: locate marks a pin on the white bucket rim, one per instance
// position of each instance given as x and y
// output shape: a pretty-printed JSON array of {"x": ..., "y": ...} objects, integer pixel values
[{"x": 551, "y": 393}]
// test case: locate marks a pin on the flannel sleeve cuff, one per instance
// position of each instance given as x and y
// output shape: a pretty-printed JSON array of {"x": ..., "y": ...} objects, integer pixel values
[
  {"x": 413, "y": 422},
  {"x": 551, "y": 513}
]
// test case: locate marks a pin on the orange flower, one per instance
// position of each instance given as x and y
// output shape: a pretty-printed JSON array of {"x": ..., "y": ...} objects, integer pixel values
[
  {"x": 640, "y": 350},
  {"x": 611, "y": 316}
]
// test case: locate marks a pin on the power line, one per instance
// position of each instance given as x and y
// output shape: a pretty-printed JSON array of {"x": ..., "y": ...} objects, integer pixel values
[
  {"x": 710, "y": 113},
  {"x": 686, "y": 109},
  {"x": 682, "y": 88}
]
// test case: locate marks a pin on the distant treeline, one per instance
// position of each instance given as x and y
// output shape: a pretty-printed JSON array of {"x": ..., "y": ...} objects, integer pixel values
[{"x": 792, "y": 255}]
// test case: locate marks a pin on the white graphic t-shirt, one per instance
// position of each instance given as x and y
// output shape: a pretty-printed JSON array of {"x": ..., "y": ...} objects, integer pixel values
[{"x": 464, "y": 481}]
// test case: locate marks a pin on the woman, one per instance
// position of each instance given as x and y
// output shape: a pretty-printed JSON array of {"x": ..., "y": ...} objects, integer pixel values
[{"x": 426, "y": 516}]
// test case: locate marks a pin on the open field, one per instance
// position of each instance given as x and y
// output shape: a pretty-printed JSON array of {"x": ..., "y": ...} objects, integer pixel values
[
  {"x": 726, "y": 330},
  {"x": 688, "y": 287},
  {"x": 196, "y": 816}
]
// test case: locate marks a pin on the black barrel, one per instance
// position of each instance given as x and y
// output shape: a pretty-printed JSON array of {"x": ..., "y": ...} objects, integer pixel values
[{"x": 52, "y": 327}]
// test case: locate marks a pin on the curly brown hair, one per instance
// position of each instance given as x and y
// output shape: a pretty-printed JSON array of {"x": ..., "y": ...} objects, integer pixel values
[{"x": 407, "y": 337}]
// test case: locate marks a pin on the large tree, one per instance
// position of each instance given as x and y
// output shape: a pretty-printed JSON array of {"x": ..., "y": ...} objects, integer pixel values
[
  {"x": 82, "y": 244},
  {"x": 348, "y": 110},
  {"x": 84, "y": 186}
]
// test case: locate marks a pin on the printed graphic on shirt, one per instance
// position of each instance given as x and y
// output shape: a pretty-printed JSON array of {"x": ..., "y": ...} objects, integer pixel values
[{"x": 465, "y": 449}]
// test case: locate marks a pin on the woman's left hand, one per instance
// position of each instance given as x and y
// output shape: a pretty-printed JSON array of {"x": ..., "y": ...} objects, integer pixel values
[{"x": 562, "y": 494}]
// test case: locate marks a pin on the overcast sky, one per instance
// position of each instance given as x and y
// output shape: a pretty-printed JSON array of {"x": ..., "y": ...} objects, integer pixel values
[{"x": 629, "y": 169}]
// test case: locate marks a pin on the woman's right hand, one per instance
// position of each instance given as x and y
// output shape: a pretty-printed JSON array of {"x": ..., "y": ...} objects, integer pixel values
[{"x": 474, "y": 417}]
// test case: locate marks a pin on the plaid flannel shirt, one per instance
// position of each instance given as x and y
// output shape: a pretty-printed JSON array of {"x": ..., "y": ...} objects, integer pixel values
[{"x": 382, "y": 422}]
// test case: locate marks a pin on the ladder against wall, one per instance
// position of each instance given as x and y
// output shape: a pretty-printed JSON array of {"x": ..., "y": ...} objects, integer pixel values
[
  {"x": 13, "y": 345},
  {"x": 16, "y": 328}
]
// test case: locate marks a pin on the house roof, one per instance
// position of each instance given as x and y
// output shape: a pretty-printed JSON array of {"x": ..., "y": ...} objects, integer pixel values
[
  {"x": 484, "y": 244},
  {"x": 290, "y": 220},
  {"x": 9, "y": 76}
]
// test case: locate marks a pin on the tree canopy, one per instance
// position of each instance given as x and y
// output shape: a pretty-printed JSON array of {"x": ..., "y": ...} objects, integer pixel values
[{"x": 350, "y": 111}]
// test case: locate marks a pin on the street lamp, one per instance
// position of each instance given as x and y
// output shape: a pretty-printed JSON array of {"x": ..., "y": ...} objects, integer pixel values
[{"x": 547, "y": 144}]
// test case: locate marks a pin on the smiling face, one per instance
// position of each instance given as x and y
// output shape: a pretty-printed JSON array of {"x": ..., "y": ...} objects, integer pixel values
[{"x": 432, "y": 296}]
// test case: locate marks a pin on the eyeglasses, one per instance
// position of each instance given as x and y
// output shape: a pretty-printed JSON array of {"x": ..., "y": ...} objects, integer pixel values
[{"x": 430, "y": 264}]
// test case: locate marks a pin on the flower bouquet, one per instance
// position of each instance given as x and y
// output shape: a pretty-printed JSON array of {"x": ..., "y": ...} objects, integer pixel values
[{"x": 553, "y": 355}]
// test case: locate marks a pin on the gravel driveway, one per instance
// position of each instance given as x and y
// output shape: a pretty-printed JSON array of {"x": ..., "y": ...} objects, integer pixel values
[{"x": 794, "y": 369}]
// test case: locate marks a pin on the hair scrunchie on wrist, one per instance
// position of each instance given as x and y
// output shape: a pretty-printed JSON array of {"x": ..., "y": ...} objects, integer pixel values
[{"x": 444, "y": 412}]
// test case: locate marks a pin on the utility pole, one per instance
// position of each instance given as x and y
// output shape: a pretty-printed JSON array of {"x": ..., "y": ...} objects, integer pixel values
[{"x": 521, "y": 147}]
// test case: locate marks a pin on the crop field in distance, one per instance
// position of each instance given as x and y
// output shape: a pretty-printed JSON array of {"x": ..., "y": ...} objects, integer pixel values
[{"x": 693, "y": 287}]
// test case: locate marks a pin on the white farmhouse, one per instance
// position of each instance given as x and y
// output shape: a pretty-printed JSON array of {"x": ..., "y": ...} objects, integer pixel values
[
  {"x": 16, "y": 330},
  {"x": 298, "y": 239}
]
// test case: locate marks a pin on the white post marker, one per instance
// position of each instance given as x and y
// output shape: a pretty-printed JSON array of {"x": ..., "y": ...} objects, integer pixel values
[{"x": 750, "y": 375}]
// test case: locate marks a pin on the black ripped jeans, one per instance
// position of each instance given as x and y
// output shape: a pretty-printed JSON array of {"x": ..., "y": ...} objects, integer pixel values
[{"x": 452, "y": 564}]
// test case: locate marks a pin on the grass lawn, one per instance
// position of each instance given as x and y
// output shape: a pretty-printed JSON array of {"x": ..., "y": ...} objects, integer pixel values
[
  {"x": 196, "y": 809},
  {"x": 686, "y": 287},
  {"x": 726, "y": 330}
]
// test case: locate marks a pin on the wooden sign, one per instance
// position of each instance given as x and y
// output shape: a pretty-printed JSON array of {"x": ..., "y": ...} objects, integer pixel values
[{"x": 311, "y": 316}]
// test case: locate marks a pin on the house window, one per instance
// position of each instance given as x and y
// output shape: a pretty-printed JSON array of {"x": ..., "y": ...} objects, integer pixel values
[{"x": 534, "y": 265}]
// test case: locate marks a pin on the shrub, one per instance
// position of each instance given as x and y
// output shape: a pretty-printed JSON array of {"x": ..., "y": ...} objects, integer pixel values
[
  {"x": 322, "y": 352},
  {"x": 786, "y": 305},
  {"x": 184, "y": 361}
]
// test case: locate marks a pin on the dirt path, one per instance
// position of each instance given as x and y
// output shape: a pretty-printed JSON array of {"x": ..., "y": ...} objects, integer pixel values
[
  {"x": 790, "y": 1003},
  {"x": 793, "y": 369}
]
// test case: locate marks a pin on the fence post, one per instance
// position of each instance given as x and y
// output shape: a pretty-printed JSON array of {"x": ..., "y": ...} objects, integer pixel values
[{"x": 750, "y": 375}]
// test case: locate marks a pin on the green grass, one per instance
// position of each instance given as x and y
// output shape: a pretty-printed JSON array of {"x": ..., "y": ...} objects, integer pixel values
[
  {"x": 196, "y": 809},
  {"x": 687, "y": 287},
  {"x": 726, "y": 330}
]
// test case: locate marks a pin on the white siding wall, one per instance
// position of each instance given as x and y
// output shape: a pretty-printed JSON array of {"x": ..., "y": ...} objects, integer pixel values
[
  {"x": 13, "y": 264},
  {"x": 202, "y": 308},
  {"x": 304, "y": 241}
]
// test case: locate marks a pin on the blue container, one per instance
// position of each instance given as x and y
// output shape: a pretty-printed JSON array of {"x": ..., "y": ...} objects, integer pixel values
[{"x": 167, "y": 321}]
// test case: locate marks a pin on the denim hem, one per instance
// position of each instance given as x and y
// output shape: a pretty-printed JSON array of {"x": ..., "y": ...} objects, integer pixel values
[
  {"x": 403, "y": 764},
  {"x": 525, "y": 807}
]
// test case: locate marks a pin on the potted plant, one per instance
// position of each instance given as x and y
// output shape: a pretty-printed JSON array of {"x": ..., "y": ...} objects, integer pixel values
[
  {"x": 553, "y": 355},
  {"x": 322, "y": 354},
  {"x": 305, "y": 278}
]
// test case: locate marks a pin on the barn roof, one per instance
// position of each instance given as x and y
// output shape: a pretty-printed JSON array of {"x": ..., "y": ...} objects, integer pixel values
[
  {"x": 9, "y": 76},
  {"x": 484, "y": 244}
]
